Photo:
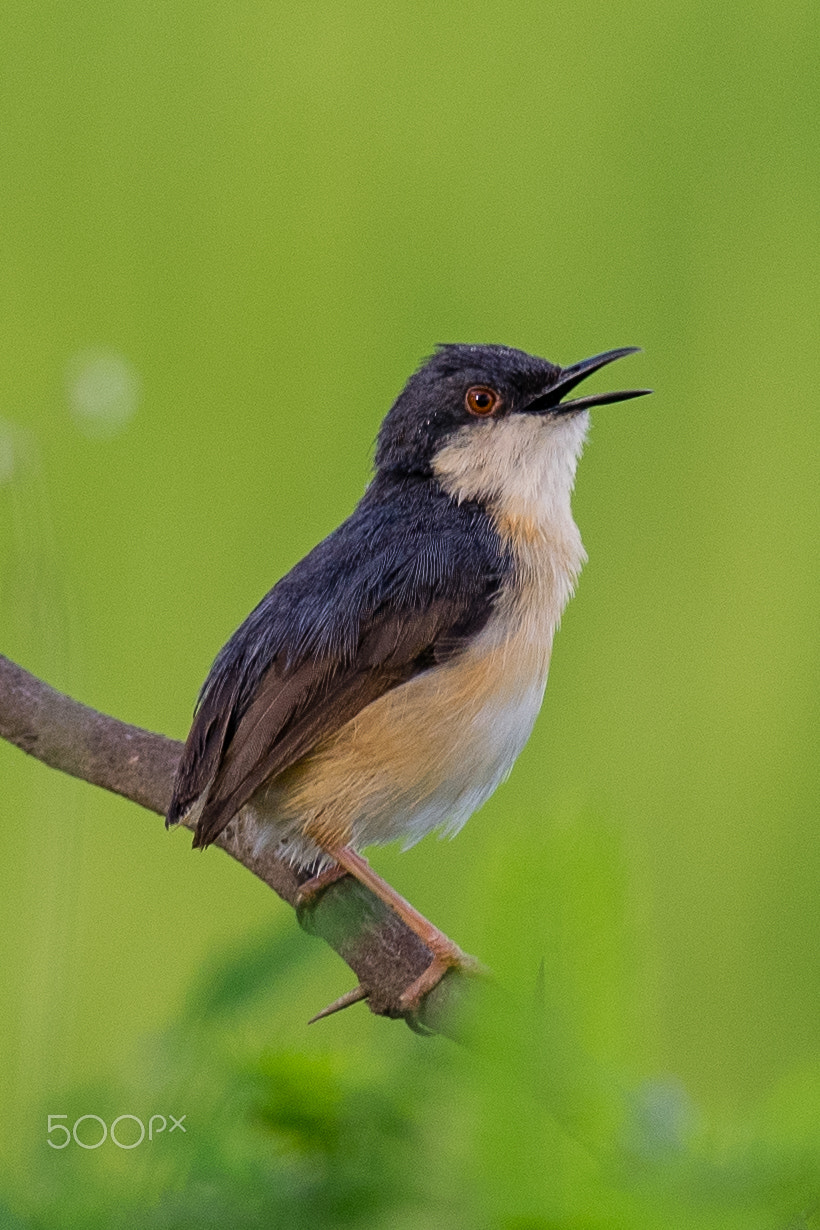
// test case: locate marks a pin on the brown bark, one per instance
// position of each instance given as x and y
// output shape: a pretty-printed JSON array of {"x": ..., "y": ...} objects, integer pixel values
[{"x": 383, "y": 953}]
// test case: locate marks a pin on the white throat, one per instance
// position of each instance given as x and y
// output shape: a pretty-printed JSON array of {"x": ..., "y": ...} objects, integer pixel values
[{"x": 522, "y": 469}]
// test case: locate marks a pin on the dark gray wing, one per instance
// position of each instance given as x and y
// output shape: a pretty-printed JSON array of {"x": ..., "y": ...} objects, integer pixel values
[{"x": 401, "y": 585}]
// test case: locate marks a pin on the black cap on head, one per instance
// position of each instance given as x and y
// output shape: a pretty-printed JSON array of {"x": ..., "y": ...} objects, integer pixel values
[
  {"x": 432, "y": 404},
  {"x": 461, "y": 384}
]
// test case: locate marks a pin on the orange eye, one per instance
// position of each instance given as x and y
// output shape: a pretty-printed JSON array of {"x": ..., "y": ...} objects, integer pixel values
[{"x": 481, "y": 400}]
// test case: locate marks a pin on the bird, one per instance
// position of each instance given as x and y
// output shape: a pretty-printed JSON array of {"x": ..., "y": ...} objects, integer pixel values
[{"x": 385, "y": 686}]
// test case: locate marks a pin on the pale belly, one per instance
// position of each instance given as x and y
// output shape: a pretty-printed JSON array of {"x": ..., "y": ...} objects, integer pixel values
[
  {"x": 427, "y": 754},
  {"x": 420, "y": 758}
]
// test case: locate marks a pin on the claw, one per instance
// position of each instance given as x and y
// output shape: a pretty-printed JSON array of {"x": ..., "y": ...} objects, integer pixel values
[
  {"x": 417, "y": 1027},
  {"x": 344, "y": 1001},
  {"x": 446, "y": 956},
  {"x": 307, "y": 894}
]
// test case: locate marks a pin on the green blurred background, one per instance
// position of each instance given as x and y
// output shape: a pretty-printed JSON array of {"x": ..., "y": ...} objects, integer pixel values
[{"x": 229, "y": 232}]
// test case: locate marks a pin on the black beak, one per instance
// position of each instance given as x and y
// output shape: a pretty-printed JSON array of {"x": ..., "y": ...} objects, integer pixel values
[{"x": 550, "y": 401}]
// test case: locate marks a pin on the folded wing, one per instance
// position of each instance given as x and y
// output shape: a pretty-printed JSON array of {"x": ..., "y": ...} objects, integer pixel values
[{"x": 326, "y": 642}]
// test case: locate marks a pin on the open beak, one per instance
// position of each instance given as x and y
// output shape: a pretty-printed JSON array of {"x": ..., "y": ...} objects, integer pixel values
[{"x": 550, "y": 402}]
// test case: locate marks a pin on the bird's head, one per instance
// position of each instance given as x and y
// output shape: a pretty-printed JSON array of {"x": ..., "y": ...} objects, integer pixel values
[
  {"x": 466, "y": 390},
  {"x": 482, "y": 417}
]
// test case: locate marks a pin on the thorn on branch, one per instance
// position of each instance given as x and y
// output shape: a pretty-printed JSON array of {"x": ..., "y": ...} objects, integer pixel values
[{"x": 344, "y": 1001}]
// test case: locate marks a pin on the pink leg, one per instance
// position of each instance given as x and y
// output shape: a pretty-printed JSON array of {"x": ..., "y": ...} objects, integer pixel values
[
  {"x": 314, "y": 887},
  {"x": 446, "y": 954}
]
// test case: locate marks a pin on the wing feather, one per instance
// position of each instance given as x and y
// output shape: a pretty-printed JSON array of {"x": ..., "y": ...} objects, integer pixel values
[{"x": 326, "y": 642}]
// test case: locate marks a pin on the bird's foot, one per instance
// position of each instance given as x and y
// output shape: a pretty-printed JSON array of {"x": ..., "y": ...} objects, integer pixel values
[
  {"x": 446, "y": 956},
  {"x": 308, "y": 893}
]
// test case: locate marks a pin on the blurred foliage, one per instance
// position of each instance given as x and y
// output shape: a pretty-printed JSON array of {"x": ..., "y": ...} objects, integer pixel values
[
  {"x": 229, "y": 232},
  {"x": 518, "y": 1130}
]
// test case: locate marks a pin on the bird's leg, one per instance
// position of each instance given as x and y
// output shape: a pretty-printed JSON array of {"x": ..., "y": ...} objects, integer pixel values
[
  {"x": 446, "y": 954},
  {"x": 307, "y": 893}
]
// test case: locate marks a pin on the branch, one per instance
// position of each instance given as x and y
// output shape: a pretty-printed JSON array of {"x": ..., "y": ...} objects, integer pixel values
[{"x": 383, "y": 953}]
